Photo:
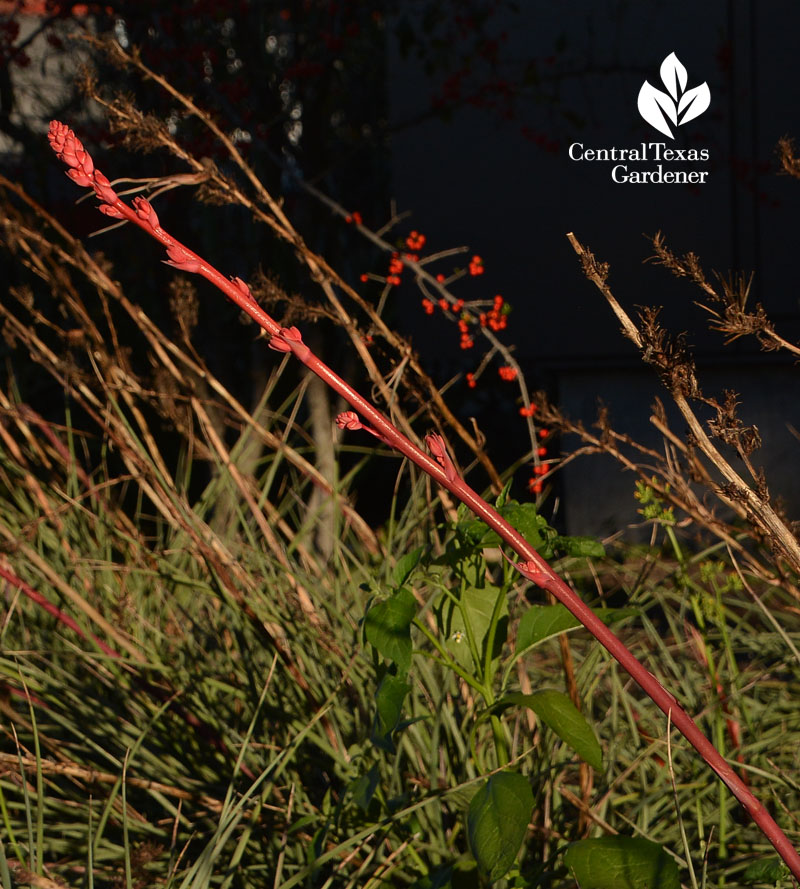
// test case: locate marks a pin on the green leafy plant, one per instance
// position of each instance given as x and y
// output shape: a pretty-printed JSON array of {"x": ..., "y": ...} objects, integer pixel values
[{"x": 464, "y": 628}]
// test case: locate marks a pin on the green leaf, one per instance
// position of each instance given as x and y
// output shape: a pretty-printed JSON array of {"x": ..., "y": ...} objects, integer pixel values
[
  {"x": 388, "y": 709},
  {"x": 621, "y": 863},
  {"x": 406, "y": 564},
  {"x": 558, "y": 713},
  {"x": 502, "y": 497},
  {"x": 387, "y": 626},
  {"x": 521, "y": 516},
  {"x": 497, "y": 821},
  {"x": 586, "y": 547},
  {"x": 769, "y": 870},
  {"x": 364, "y": 787},
  {"x": 540, "y": 622},
  {"x": 475, "y": 606},
  {"x": 532, "y": 526},
  {"x": 473, "y": 532}
]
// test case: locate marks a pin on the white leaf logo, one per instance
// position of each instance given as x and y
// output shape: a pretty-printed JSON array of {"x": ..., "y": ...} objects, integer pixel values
[
  {"x": 676, "y": 106},
  {"x": 673, "y": 75}
]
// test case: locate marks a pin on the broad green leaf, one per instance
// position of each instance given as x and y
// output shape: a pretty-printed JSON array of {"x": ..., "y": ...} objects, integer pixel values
[
  {"x": 558, "y": 713},
  {"x": 459, "y": 798},
  {"x": 474, "y": 531},
  {"x": 521, "y": 516},
  {"x": 587, "y": 547},
  {"x": 621, "y": 863},
  {"x": 406, "y": 564},
  {"x": 476, "y": 607},
  {"x": 388, "y": 708},
  {"x": 497, "y": 821},
  {"x": 364, "y": 787},
  {"x": 768, "y": 870},
  {"x": 532, "y": 526},
  {"x": 540, "y": 622},
  {"x": 387, "y": 626}
]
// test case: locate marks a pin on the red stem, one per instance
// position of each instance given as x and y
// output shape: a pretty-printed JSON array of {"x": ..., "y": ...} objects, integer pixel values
[
  {"x": 289, "y": 340},
  {"x": 59, "y": 615}
]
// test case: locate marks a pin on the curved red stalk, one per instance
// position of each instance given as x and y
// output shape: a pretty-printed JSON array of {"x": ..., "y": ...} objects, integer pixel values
[{"x": 70, "y": 150}]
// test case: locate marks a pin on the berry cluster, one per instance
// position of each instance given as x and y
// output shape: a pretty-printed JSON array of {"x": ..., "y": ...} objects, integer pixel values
[
  {"x": 395, "y": 270},
  {"x": 497, "y": 317},
  {"x": 469, "y": 317},
  {"x": 540, "y": 469},
  {"x": 466, "y": 341},
  {"x": 415, "y": 241}
]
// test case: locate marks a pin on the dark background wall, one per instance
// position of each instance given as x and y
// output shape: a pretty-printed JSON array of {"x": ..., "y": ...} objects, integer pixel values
[{"x": 488, "y": 181}]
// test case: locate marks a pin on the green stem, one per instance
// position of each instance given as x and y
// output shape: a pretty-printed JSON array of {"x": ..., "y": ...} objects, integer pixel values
[
  {"x": 500, "y": 745},
  {"x": 444, "y": 658},
  {"x": 490, "y": 636}
]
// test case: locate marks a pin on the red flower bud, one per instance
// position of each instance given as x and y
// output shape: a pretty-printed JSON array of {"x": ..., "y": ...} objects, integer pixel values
[
  {"x": 289, "y": 339},
  {"x": 438, "y": 450},
  {"x": 80, "y": 178},
  {"x": 103, "y": 189},
  {"x": 145, "y": 212},
  {"x": 181, "y": 259},
  {"x": 348, "y": 420},
  {"x": 113, "y": 212}
]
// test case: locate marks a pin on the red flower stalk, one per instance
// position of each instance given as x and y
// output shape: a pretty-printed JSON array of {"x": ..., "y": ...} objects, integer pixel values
[
  {"x": 82, "y": 171},
  {"x": 439, "y": 467}
]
